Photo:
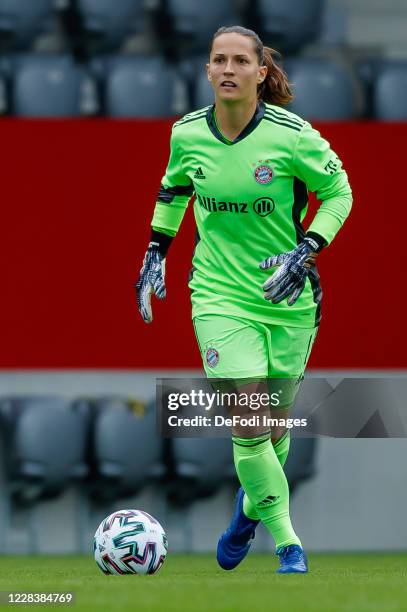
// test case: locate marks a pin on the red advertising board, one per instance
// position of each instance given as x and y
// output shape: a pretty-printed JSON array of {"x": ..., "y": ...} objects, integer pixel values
[{"x": 77, "y": 199}]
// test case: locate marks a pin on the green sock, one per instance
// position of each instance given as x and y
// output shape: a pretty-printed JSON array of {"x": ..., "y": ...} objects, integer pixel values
[
  {"x": 264, "y": 481},
  {"x": 281, "y": 448}
]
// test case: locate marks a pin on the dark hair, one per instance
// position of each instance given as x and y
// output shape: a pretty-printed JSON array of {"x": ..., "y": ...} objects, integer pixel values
[{"x": 275, "y": 88}]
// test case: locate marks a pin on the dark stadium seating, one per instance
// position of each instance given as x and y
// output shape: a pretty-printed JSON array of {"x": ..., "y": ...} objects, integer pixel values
[
  {"x": 323, "y": 89},
  {"x": 53, "y": 81},
  {"x": 201, "y": 467},
  {"x": 125, "y": 450},
  {"x": 288, "y": 25},
  {"x": 45, "y": 443},
  {"x": 193, "y": 22},
  {"x": 390, "y": 92},
  {"x": 203, "y": 92},
  {"x": 50, "y": 86},
  {"x": 108, "y": 22},
  {"x": 22, "y": 20},
  {"x": 200, "y": 92},
  {"x": 300, "y": 464},
  {"x": 3, "y": 97},
  {"x": 138, "y": 87}
]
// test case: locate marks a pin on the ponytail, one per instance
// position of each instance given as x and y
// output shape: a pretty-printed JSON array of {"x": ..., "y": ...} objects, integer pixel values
[{"x": 275, "y": 88}]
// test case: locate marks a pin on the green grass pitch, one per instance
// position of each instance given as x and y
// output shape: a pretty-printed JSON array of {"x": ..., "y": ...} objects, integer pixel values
[{"x": 352, "y": 582}]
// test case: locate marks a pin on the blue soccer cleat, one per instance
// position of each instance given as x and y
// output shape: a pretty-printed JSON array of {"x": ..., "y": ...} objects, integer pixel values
[
  {"x": 234, "y": 543},
  {"x": 293, "y": 560}
]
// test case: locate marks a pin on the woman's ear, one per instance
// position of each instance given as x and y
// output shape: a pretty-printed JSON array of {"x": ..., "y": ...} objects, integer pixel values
[{"x": 262, "y": 74}]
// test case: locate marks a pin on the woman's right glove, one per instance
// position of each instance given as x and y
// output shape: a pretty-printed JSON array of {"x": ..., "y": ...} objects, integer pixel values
[{"x": 151, "y": 280}]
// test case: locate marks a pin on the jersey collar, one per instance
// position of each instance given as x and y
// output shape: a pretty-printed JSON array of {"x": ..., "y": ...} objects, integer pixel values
[{"x": 253, "y": 123}]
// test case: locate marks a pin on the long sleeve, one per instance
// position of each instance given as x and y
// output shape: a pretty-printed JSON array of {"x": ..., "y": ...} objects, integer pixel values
[
  {"x": 175, "y": 192},
  {"x": 321, "y": 170}
]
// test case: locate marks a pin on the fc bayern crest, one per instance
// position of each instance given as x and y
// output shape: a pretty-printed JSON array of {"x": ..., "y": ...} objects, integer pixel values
[
  {"x": 263, "y": 174},
  {"x": 212, "y": 357}
]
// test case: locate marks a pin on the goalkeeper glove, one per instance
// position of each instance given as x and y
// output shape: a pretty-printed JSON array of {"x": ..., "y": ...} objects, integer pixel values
[
  {"x": 151, "y": 280},
  {"x": 152, "y": 274},
  {"x": 289, "y": 280}
]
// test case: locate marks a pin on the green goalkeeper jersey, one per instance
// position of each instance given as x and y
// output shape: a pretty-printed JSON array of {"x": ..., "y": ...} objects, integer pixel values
[{"x": 251, "y": 196}]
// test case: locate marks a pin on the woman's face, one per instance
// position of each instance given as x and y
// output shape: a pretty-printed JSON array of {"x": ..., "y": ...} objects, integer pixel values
[{"x": 233, "y": 68}]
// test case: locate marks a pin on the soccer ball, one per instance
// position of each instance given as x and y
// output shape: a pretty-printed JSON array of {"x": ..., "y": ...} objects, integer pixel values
[{"x": 130, "y": 542}]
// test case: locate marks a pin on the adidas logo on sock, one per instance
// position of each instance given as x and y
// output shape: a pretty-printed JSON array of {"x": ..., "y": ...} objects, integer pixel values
[
  {"x": 267, "y": 501},
  {"x": 199, "y": 174}
]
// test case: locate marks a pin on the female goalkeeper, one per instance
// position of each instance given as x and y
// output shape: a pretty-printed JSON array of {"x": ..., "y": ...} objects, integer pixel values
[{"x": 250, "y": 164}]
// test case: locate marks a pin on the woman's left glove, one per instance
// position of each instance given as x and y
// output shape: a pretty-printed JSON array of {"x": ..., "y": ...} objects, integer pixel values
[
  {"x": 151, "y": 280},
  {"x": 289, "y": 280}
]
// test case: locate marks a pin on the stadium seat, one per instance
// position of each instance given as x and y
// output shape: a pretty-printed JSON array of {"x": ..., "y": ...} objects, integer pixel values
[
  {"x": 126, "y": 450},
  {"x": 110, "y": 21},
  {"x": 334, "y": 27},
  {"x": 138, "y": 87},
  {"x": 51, "y": 86},
  {"x": 200, "y": 92},
  {"x": 3, "y": 97},
  {"x": 288, "y": 25},
  {"x": 300, "y": 464},
  {"x": 201, "y": 466},
  {"x": 45, "y": 441},
  {"x": 203, "y": 92},
  {"x": 194, "y": 22},
  {"x": 323, "y": 89},
  {"x": 390, "y": 92},
  {"x": 22, "y": 20}
]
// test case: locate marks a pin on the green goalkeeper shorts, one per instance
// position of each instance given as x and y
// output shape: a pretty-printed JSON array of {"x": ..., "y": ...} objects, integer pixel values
[{"x": 240, "y": 349}]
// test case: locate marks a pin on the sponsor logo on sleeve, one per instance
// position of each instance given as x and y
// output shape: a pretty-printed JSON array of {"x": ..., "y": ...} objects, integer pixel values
[{"x": 332, "y": 166}]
